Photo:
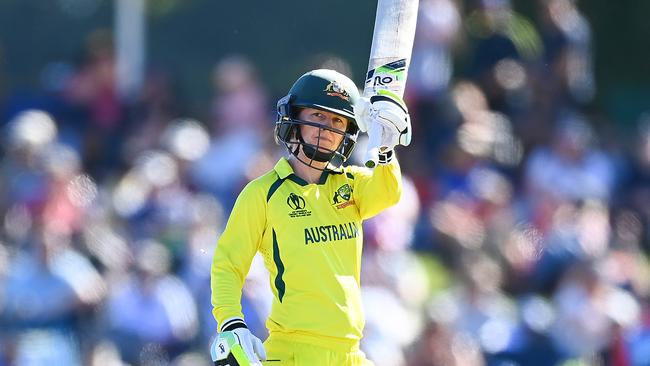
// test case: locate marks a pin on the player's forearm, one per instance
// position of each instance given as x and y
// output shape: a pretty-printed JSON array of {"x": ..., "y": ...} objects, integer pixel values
[
  {"x": 226, "y": 294},
  {"x": 234, "y": 253},
  {"x": 223, "y": 312},
  {"x": 227, "y": 274},
  {"x": 388, "y": 178},
  {"x": 382, "y": 190}
]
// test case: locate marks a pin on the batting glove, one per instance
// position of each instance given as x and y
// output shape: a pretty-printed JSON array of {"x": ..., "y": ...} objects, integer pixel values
[
  {"x": 235, "y": 345},
  {"x": 389, "y": 111}
]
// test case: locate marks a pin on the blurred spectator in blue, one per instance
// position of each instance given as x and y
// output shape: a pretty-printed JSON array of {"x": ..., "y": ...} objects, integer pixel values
[
  {"x": 150, "y": 310},
  {"x": 48, "y": 286},
  {"x": 143, "y": 196},
  {"x": 474, "y": 308},
  {"x": 590, "y": 312},
  {"x": 530, "y": 343},
  {"x": 571, "y": 168},
  {"x": 25, "y": 139},
  {"x": 155, "y": 195},
  {"x": 577, "y": 233}
]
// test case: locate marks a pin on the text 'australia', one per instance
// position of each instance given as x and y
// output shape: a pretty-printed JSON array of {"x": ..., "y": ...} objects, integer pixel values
[{"x": 325, "y": 233}]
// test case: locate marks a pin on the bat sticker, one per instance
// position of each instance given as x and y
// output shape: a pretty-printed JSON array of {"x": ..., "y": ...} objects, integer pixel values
[{"x": 390, "y": 76}]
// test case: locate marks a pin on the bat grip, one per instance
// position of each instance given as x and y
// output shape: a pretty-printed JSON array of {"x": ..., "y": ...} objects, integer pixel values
[{"x": 374, "y": 143}]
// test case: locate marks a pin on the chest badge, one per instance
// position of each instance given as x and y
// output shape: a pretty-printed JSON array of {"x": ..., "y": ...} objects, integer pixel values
[{"x": 343, "y": 196}]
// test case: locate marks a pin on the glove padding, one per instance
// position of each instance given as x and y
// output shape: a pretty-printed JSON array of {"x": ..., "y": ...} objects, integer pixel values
[
  {"x": 389, "y": 111},
  {"x": 237, "y": 347}
]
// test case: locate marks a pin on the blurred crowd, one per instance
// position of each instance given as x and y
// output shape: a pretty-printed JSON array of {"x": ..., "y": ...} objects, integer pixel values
[{"x": 521, "y": 238}]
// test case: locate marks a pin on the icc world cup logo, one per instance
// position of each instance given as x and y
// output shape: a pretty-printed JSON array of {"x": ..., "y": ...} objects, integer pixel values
[{"x": 295, "y": 202}]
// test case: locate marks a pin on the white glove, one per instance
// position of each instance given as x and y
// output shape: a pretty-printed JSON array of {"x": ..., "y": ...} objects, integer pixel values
[
  {"x": 389, "y": 111},
  {"x": 237, "y": 347}
]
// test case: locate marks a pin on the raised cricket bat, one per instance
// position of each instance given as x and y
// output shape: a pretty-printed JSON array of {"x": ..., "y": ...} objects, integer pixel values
[{"x": 390, "y": 54}]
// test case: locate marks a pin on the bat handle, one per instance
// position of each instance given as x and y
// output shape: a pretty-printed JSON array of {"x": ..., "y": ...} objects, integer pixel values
[{"x": 374, "y": 143}]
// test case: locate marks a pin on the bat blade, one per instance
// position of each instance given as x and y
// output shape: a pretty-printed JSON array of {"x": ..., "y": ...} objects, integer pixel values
[{"x": 390, "y": 54}]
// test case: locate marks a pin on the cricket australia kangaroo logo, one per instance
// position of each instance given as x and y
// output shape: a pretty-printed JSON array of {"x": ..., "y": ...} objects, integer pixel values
[
  {"x": 297, "y": 205},
  {"x": 334, "y": 89},
  {"x": 343, "y": 196}
]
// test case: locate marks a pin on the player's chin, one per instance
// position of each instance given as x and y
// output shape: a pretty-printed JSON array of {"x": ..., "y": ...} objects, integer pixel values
[
  {"x": 325, "y": 149},
  {"x": 325, "y": 143}
]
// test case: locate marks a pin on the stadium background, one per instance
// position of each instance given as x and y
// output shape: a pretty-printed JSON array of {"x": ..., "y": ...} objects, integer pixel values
[{"x": 523, "y": 234}]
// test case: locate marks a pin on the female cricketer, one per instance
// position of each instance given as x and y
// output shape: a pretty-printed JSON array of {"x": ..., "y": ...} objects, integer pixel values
[{"x": 304, "y": 216}]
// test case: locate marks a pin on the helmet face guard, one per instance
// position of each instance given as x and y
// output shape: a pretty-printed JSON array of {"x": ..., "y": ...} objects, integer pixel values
[
  {"x": 288, "y": 133},
  {"x": 328, "y": 91}
]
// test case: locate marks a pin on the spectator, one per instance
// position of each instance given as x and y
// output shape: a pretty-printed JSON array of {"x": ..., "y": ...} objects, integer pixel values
[{"x": 151, "y": 310}]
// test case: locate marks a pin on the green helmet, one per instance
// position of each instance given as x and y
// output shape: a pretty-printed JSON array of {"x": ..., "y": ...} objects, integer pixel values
[{"x": 326, "y": 90}]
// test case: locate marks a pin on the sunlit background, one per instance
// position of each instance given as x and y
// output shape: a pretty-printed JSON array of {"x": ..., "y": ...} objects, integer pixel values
[{"x": 128, "y": 127}]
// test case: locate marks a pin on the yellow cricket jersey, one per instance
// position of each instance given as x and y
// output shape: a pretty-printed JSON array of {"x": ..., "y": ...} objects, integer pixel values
[{"x": 310, "y": 237}]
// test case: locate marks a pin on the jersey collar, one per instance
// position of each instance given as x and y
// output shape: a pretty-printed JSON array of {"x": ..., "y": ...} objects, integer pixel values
[{"x": 285, "y": 171}]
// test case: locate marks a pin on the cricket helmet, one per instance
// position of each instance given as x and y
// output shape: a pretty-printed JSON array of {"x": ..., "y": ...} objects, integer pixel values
[{"x": 326, "y": 90}]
